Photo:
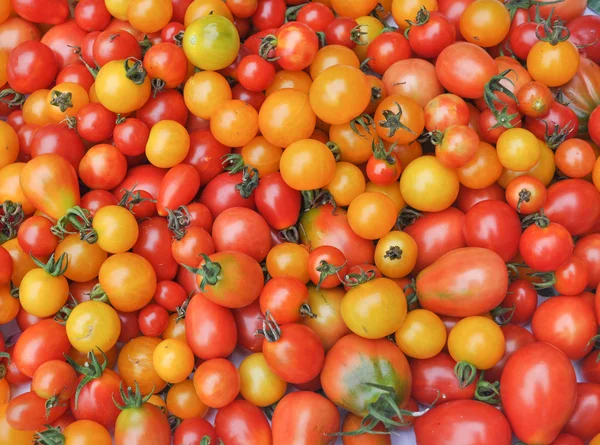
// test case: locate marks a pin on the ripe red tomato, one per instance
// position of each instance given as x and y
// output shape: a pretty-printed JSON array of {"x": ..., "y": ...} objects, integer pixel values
[
  {"x": 241, "y": 423},
  {"x": 277, "y": 202},
  {"x": 573, "y": 203},
  {"x": 536, "y": 412},
  {"x": 515, "y": 337},
  {"x": 523, "y": 297},
  {"x": 31, "y": 66},
  {"x": 27, "y": 412},
  {"x": 154, "y": 244},
  {"x": 431, "y": 33},
  {"x": 192, "y": 431},
  {"x": 242, "y": 230},
  {"x": 588, "y": 249},
  {"x": 583, "y": 422},
  {"x": 545, "y": 246},
  {"x": 248, "y": 320},
  {"x": 387, "y": 49},
  {"x": 179, "y": 186}
]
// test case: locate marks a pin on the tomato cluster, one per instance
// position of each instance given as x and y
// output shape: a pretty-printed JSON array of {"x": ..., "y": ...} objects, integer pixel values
[{"x": 313, "y": 222}]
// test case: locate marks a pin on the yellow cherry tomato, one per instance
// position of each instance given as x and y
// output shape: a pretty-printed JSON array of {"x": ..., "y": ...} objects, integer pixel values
[
  {"x": 43, "y": 291},
  {"x": 258, "y": 384},
  {"x": 355, "y": 142},
  {"x": 135, "y": 365},
  {"x": 122, "y": 86},
  {"x": 396, "y": 254},
  {"x": 175, "y": 328},
  {"x": 422, "y": 335},
  {"x": 9, "y": 143},
  {"x": 347, "y": 183},
  {"x": 518, "y": 149},
  {"x": 173, "y": 360},
  {"x": 116, "y": 227},
  {"x": 202, "y": 8},
  {"x": 331, "y": 55},
  {"x": 485, "y": 23},
  {"x": 93, "y": 325},
  {"x": 211, "y": 42},
  {"x": 403, "y": 10},
  {"x": 9, "y": 306},
  {"x": 149, "y": 16},
  {"x": 262, "y": 155},
  {"x": 429, "y": 186},
  {"x": 391, "y": 190},
  {"x": 65, "y": 100},
  {"x": 205, "y": 92},
  {"x": 128, "y": 280},
  {"x": 86, "y": 432},
  {"x": 328, "y": 324},
  {"x": 543, "y": 170},
  {"x": 234, "y": 123},
  {"x": 482, "y": 170},
  {"x": 288, "y": 260},
  {"x": 307, "y": 165},
  {"x": 553, "y": 65},
  {"x": 371, "y": 215},
  {"x": 183, "y": 402},
  {"x": 478, "y": 341},
  {"x": 298, "y": 80},
  {"x": 85, "y": 259},
  {"x": 407, "y": 153},
  {"x": 168, "y": 144},
  {"x": 374, "y": 309},
  {"x": 35, "y": 108},
  {"x": 117, "y": 8},
  {"x": 10, "y": 186}
]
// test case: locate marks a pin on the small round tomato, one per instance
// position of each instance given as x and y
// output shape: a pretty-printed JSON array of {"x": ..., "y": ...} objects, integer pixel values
[
  {"x": 93, "y": 326},
  {"x": 122, "y": 86},
  {"x": 526, "y": 194},
  {"x": 288, "y": 260},
  {"x": 204, "y": 92},
  {"x": 55, "y": 381},
  {"x": 457, "y": 146},
  {"x": 36, "y": 238},
  {"x": 211, "y": 43},
  {"x": 217, "y": 382},
  {"x": 116, "y": 228},
  {"x": 135, "y": 364},
  {"x": 482, "y": 170},
  {"x": 149, "y": 16},
  {"x": 168, "y": 144},
  {"x": 485, "y": 22},
  {"x": 44, "y": 290},
  {"x": 478, "y": 341},
  {"x": 518, "y": 149},
  {"x": 422, "y": 335},
  {"x": 575, "y": 158},
  {"x": 380, "y": 295},
  {"x": 234, "y": 123},
  {"x": 183, "y": 402},
  {"x": 399, "y": 119},
  {"x": 534, "y": 99},
  {"x": 298, "y": 163},
  {"x": 329, "y": 324},
  {"x": 396, "y": 254},
  {"x": 259, "y": 384},
  {"x": 427, "y": 185},
  {"x": 371, "y": 215},
  {"x": 173, "y": 360},
  {"x": 545, "y": 246},
  {"x": 347, "y": 183},
  {"x": 326, "y": 266},
  {"x": 553, "y": 63}
]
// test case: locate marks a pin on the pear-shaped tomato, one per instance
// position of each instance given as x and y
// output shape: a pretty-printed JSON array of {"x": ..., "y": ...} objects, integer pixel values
[
  {"x": 49, "y": 182},
  {"x": 464, "y": 282}
]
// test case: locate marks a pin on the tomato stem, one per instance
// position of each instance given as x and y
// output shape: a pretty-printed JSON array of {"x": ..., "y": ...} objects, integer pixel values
[
  {"x": 178, "y": 221},
  {"x": 487, "y": 392},
  {"x": 465, "y": 373},
  {"x": 270, "y": 329},
  {"x": 524, "y": 196},
  {"x": 554, "y": 32},
  {"x": 131, "y": 399},
  {"x": 61, "y": 100},
  {"x": 421, "y": 19},
  {"x": 136, "y": 73},
  {"x": 539, "y": 219},
  {"x": 306, "y": 311},
  {"x": 548, "y": 279},
  {"x": 290, "y": 235},
  {"x": 145, "y": 45},
  {"x": 54, "y": 268},
  {"x": 291, "y": 14},
  {"x": 157, "y": 86},
  {"x": 131, "y": 197},
  {"x": 267, "y": 47},
  {"x": 558, "y": 135},
  {"x": 78, "y": 218},
  {"x": 499, "y": 314},
  {"x": 334, "y": 149},
  {"x": 326, "y": 269},
  {"x": 249, "y": 182},
  {"x": 380, "y": 152},
  {"x": 495, "y": 85},
  {"x": 233, "y": 162},
  {"x": 393, "y": 253},
  {"x": 174, "y": 422},
  {"x": 14, "y": 291},
  {"x": 393, "y": 121},
  {"x": 365, "y": 121},
  {"x": 17, "y": 100},
  {"x": 51, "y": 436},
  {"x": 356, "y": 279},
  {"x": 11, "y": 216},
  {"x": 90, "y": 371},
  {"x": 209, "y": 271},
  {"x": 2, "y": 371},
  {"x": 356, "y": 35}
]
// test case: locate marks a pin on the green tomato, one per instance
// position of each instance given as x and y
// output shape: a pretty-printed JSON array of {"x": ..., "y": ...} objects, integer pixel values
[{"x": 211, "y": 42}]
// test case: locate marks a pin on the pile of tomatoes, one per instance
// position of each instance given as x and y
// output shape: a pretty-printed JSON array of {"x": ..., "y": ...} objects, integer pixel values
[{"x": 313, "y": 222}]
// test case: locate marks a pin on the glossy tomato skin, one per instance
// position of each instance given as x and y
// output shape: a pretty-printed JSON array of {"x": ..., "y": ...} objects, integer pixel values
[
  {"x": 154, "y": 244},
  {"x": 588, "y": 249},
  {"x": 436, "y": 234},
  {"x": 242, "y": 230},
  {"x": 523, "y": 296},
  {"x": 437, "y": 374},
  {"x": 241, "y": 423},
  {"x": 191, "y": 431},
  {"x": 379, "y": 362},
  {"x": 27, "y": 412},
  {"x": 179, "y": 187},
  {"x": 248, "y": 321},
  {"x": 449, "y": 286},
  {"x": 44, "y": 341},
  {"x": 31, "y": 57},
  {"x": 583, "y": 422},
  {"x": 325, "y": 226},
  {"x": 515, "y": 338},
  {"x": 536, "y": 410},
  {"x": 209, "y": 328},
  {"x": 559, "y": 115},
  {"x": 573, "y": 203},
  {"x": 546, "y": 248},
  {"x": 468, "y": 422},
  {"x": 61, "y": 39},
  {"x": 167, "y": 105},
  {"x": 305, "y": 418},
  {"x": 277, "y": 202},
  {"x": 221, "y": 194},
  {"x": 493, "y": 225},
  {"x": 467, "y": 197}
]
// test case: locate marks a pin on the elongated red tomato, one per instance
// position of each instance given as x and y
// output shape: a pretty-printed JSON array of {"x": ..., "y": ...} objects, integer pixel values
[
  {"x": 538, "y": 391},
  {"x": 464, "y": 282},
  {"x": 464, "y": 422},
  {"x": 49, "y": 182},
  {"x": 178, "y": 187},
  {"x": 277, "y": 202}
]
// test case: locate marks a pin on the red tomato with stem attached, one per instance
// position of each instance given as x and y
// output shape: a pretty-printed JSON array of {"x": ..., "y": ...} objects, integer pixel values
[
  {"x": 521, "y": 300},
  {"x": 286, "y": 298},
  {"x": 36, "y": 238},
  {"x": 27, "y": 412},
  {"x": 431, "y": 32},
  {"x": 545, "y": 246},
  {"x": 277, "y": 202},
  {"x": 387, "y": 49}
]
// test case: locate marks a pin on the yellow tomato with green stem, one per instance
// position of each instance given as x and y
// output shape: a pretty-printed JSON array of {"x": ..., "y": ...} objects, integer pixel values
[
  {"x": 422, "y": 335},
  {"x": 404, "y": 10},
  {"x": 369, "y": 28},
  {"x": 85, "y": 259},
  {"x": 44, "y": 290},
  {"x": 258, "y": 384},
  {"x": 396, "y": 254},
  {"x": 374, "y": 309},
  {"x": 123, "y": 86},
  {"x": 354, "y": 139},
  {"x": 65, "y": 100},
  {"x": 93, "y": 326}
]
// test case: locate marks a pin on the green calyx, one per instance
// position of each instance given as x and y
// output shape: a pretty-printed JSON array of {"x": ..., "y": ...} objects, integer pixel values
[
  {"x": 209, "y": 271},
  {"x": 503, "y": 315},
  {"x": 79, "y": 219},
  {"x": 495, "y": 85},
  {"x": 270, "y": 330},
  {"x": 465, "y": 372},
  {"x": 539, "y": 219},
  {"x": 364, "y": 121},
  {"x": 233, "y": 162},
  {"x": 421, "y": 19},
  {"x": 487, "y": 392},
  {"x": 98, "y": 294},
  {"x": 249, "y": 181},
  {"x": 10, "y": 219},
  {"x": 406, "y": 217},
  {"x": 136, "y": 72},
  {"x": 326, "y": 270},
  {"x": 554, "y": 31},
  {"x": 178, "y": 221},
  {"x": 53, "y": 267},
  {"x": 131, "y": 197},
  {"x": 393, "y": 253},
  {"x": 358, "y": 278},
  {"x": 17, "y": 99},
  {"x": 51, "y": 436},
  {"x": 63, "y": 101},
  {"x": 131, "y": 399},
  {"x": 557, "y": 135},
  {"x": 90, "y": 371},
  {"x": 317, "y": 198},
  {"x": 380, "y": 152},
  {"x": 267, "y": 47},
  {"x": 393, "y": 121}
]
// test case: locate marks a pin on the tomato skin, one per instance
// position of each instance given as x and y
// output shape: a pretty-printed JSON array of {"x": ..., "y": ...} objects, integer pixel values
[
  {"x": 7, "y": 266},
  {"x": 451, "y": 68},
  {"x": 573, "y": 203},
  {"x": 154, "y": 244},
  {"x": 546, "y": 249},
  {"x": 493, "y": 225},
  {"x": 210, "y": 329},
  {"x": 437, "y": 374},
  {"x": 545, "y": 365},
  {"x": 27, "y": 412},
  {"x": 436, "y": 234},
  {"x": 179, "y": 186},
  {"x": 444, "y": 288},
  {"x": 559, "y": 115},
  {"x": 61, "y": 39},
  {"x": 242, "y": 230},
  {"x": 220, "y": 194},
  {"x": 542, "y": 62},
  {"x": 277, "y": 202},
  {"x": 36, "y": 238},
  {"x": 515, "y": 337},
  {"x": 211, "y": 42},
  {"x": 468, "y": 197},
  {"x": 523, "y": 296},
  {"x": 322, "y": 226},
  {"x": 30, "y": 57},
  {"x": 306, "y": 418},
  {"x": 95, "y": 123},
  {"x": 429, "y": 39},
  {"x": 241, "y": 423},
  {"x": 58, "y": 139},
  {"x": 137, "y": 426},
  {"x": 191, "y": 431},
  {"x": 588, "y": 249},
  {"x": 103, "y": 167},
  {"x": 583, "y": 421},
  {"x": 450, "y": 422},
  {"x": 49, "y": 182},
  {"x": 44, "y": 341},
  {"x": 567, "y": 439}
]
